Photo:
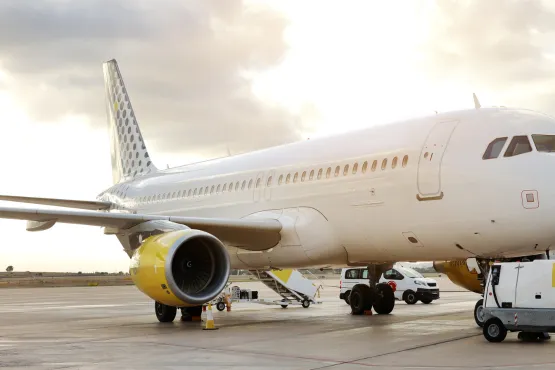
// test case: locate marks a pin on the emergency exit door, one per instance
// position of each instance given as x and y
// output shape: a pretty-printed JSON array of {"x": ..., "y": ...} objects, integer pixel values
[{"x": 431, "y": 157}]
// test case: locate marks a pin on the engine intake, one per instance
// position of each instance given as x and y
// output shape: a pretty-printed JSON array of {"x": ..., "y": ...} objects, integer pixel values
[{"x": 181, "y": 268}]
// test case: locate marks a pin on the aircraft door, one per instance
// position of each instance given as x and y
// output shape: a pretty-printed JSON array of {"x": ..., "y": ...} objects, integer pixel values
[
  {"x": 431, "y": 156},
  {"x": 258, "y": 185},
  {"x": 268, "y": 186}
]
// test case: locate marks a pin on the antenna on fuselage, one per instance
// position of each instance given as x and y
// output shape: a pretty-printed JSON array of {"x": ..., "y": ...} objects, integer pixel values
[{"x": 476, "y": 101}]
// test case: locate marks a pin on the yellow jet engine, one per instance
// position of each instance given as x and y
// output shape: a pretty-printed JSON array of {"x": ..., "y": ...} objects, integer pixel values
[{"x": 182, "y": 268}]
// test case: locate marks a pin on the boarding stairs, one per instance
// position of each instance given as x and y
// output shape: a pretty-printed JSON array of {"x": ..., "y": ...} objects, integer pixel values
[{"x": 290, "y": 284}]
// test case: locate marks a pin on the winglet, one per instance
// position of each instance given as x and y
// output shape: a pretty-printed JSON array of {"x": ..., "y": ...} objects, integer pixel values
[{"x": 476, "y": 102}]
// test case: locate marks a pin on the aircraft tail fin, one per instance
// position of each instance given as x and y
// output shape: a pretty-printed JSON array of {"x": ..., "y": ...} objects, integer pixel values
[{"x": 129, "y": 155}]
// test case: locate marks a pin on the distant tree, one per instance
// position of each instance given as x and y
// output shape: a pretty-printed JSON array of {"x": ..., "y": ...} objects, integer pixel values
[
  {"x": 79, "y": 273},
  {"x": 120, "y": 273},
  {"x": 9, "y": 268}
]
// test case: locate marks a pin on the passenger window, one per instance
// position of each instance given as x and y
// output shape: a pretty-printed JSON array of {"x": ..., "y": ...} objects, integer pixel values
[
  {"x": 280, "y": 181},
  {"x": 352, "y": 274},
  {"x": 288, "y": 178},
  {"x": 195, "y": 192},
  {"x": 518, "y": 145},
  {"x": 388, "y": 274},
  {"x": 405, "y": 160},
  {"x": 374, "y": 165},
  {"x": 494, "y": 148},
  {"x": 394, "y": 162},
  {"x": 311, "y": 175},
  {"x": 250, "y": 183},
  {"x": 355, "y": 168},
  {"x": 328, "y": 173},
  {"x": 295, "y": 177},
  {"x": 303, "y": 176},
  {"x": 346, "y": 170},
  {"x": 337, "y": 171},
  {"x": 230, "y": 187},
  {"x": 320, "y": 173},
  {"x": 243, "y": 185},
  {"x": 224, "y": 188},
  {"x": 218, "y": 190},
  {"x": 364, "y": 167},
  {"x": 365, "y": 274},
  {"x": 259, "y": 180},
  {"x": 384, "y": 163}
]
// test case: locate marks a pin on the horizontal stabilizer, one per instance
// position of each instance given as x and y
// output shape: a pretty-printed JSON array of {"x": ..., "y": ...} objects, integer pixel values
[
  {"x": 254, "y": 235},
  {"x": 80, "y": 204}
]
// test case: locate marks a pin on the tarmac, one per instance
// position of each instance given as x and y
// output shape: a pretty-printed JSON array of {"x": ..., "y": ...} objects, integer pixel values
[{"x": 115, "y": 328}]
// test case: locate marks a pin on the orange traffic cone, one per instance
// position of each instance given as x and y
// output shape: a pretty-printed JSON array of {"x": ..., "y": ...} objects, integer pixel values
[{"x": 209, "y": 319}]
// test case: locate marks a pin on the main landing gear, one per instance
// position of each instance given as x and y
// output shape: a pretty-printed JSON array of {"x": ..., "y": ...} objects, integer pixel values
[
  {"x": 165, "y": 313},
  {"x": 378, "y": 296}
]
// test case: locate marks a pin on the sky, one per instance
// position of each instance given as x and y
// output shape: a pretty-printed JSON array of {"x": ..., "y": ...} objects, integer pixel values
[{"x": 206, "y": 77}]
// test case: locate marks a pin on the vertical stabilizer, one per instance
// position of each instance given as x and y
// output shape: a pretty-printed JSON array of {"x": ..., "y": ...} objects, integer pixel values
[
  {"x": 130, "y": 157},
  {"x": 477, "y": 104}
]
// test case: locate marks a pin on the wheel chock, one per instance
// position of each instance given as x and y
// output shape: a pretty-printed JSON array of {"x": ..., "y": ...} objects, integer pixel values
[{"x": 368, "y": 312}]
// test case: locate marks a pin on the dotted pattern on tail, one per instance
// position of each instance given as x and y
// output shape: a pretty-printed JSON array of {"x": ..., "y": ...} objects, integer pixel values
[{"x": 133, "y": 157}]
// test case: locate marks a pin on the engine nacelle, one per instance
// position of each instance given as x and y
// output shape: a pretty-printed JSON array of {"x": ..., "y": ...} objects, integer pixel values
[
  {"x": 181, "y": 268},
  {"x": 459, "y": 273}
]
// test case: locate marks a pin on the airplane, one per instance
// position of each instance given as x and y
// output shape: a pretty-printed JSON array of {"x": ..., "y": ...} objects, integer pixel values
[{"x": 445, "y": 187}]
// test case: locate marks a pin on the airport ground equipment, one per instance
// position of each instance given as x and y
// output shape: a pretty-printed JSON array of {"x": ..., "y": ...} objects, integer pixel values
[
  {"x": 290, "y": 284},
  {"x": 520, "y": 297}
]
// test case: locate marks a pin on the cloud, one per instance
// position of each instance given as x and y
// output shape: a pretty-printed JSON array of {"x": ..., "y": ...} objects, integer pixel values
[
  {"x": 496, "y": 45},
  {"x": 184, "y": 64}
]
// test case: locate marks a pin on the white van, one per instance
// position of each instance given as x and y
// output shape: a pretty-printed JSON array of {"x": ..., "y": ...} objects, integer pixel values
[{"x": 409, "y": 285}]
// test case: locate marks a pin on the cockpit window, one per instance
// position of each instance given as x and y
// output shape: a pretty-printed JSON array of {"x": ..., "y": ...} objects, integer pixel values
[
  {"x": 544, "y": 143},
  {"x": 494, "y": 148},
  {"x": 518, "y": 145}
]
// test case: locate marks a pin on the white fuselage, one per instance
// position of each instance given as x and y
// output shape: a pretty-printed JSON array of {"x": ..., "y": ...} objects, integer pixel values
[{"x": 445, "y": 202}]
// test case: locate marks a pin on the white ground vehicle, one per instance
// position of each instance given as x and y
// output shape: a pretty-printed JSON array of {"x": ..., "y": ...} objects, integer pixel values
[
  {"x": 409, "y": 285},
  {"x": 520, "y": 296}
]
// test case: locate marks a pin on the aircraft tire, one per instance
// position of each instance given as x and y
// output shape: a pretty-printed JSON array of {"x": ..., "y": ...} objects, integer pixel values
[
  {"x": 346, "y": 297},
  {"x": 360, "y": 299},
  {"x": 384, "y": 301},
  {"x": 164, "y": 313}
]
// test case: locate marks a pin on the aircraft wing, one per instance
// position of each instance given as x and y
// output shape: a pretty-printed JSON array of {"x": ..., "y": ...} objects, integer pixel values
[
  {"x": 81, "y": 204},
  {"x": 255, "y": 235}
]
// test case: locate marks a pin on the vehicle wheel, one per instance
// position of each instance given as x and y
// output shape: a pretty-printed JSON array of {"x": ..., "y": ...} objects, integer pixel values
[
  {"x": 220, "y": 306},
  {"x": 479, "y": 313},
  {"x": 164, "y": 313},
  {"x": 346, "y": 297},
  {"x": 410, "y": 297},
  {"x": 494, "y": 330},
  {"x": 426, "y": 301},
  {"x": 284, "y": 306},
  {"x": 384, "y": 299},
  {"x": 306, "y": 303},
  {"x": 360, "y": 299}
]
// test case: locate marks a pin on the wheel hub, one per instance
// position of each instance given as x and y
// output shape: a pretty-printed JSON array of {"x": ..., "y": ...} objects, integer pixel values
[
  {"x": 480, "y": 313},
  {"x": 493, "y": 330}
]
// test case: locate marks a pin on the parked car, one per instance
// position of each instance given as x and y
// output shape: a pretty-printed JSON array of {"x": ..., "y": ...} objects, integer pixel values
[{"x": 409, "y": 285}]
